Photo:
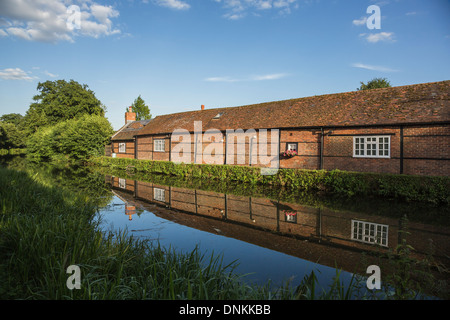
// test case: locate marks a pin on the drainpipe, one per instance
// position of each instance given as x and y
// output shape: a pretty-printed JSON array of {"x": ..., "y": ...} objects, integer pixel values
[
  {"x": 401, "y": 150},
  {"x": 321, "y": 148}
]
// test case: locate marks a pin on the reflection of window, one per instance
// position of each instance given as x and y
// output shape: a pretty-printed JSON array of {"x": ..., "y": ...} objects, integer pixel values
[
  {"x": 292, "y": 146},
  {"x": 122, "y": 147},
  {"x": 290, "y": 216},
  {"x": 159, "y": 145},
  {"x": 370, "y": 232},
  {"x": 372, "y": 146},
  {"x": 159, "y": 194},
  {"x": 122, "y": 183}
]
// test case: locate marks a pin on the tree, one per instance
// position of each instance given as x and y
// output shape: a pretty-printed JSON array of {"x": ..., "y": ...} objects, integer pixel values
[
  {"x": 11, "y": 136},
  {"x": 58, "y": 101},
  {"x": 374, "y": 84},
  {"x": 14, "y": 118},
  {"x": 141, "y": 109},
  {"x": 75, "y": 139}
]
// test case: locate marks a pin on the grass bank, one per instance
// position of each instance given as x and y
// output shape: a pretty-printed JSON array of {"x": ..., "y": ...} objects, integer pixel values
[{"x": 409, "y": 188}]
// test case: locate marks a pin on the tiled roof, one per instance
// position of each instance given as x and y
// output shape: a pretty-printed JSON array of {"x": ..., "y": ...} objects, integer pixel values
[
  {"x": 428, "y": 102},
  {"x": 128, "y": 131}
]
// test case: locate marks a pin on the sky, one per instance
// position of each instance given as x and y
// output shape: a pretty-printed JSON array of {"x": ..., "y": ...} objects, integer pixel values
[{"x": 181, "y": 54}]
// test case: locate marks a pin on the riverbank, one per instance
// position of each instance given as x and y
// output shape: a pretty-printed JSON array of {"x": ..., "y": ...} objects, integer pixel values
[{"x": 425, "y": 189}]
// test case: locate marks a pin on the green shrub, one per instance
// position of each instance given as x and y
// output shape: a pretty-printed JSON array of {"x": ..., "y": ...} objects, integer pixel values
[{"x": 343, "y": 183}]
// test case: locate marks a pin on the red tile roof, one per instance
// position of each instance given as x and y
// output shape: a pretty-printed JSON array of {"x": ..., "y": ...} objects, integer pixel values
[
  {"x": 128, "y": 131},
  {"x": 428, "y": 102}
]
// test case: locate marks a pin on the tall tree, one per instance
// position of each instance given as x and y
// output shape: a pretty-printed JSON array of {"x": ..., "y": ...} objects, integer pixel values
[
  {"x": 141, "y": 109},
  {"x": 60, "y": 100},
  {"x": 375, "y": 83}
]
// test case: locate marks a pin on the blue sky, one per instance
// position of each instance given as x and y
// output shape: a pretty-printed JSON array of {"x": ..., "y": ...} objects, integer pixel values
[{"x": 180, "y": 54}]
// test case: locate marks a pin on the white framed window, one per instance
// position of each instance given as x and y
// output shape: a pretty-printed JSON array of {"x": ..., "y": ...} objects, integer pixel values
[
  {"x": 122, "y": 147},
  {"x": 369, "y": 232},
  {"x": 159, "y": 194},
  {"x": 159, "y": 145},
  {"x": 372, "y": 146},
  {"x": 292, "y": 146}
]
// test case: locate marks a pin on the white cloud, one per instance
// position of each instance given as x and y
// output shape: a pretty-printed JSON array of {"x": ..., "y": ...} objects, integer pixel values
[
  {"x": 373, "y": 68},
  {"x": 360, "y": 22},
  {"x": 52, "y": 21},
  {"x": 173, "y": 4},
  {"x": 51, "y": 75},
  {"x": 238, "y": 9},
  {"x": 273, "y": 76},
  {"x": 377, "y": 37},
  {"x": 15, "y": 74}
]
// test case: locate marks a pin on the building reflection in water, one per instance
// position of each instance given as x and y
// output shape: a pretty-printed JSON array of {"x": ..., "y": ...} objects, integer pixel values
[{"x": 315, "y": 234}]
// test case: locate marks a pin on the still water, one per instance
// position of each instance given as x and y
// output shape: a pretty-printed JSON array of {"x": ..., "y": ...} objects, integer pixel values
[{"x": 271, "y": 239}]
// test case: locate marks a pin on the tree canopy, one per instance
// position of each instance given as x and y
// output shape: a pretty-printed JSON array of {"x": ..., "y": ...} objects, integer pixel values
[
  {"x": 60, "y": 100},
  {"x": 375, "y": 83},
  {"x": 141, "y": 109}
]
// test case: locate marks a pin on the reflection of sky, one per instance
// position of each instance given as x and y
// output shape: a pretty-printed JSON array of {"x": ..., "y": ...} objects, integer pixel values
[{"x": 262, "y": 263}]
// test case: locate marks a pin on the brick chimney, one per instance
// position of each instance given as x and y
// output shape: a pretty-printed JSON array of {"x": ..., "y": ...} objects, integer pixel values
[
  {"x": 203, "y": 107},
  {"x": 130, "y": 116}
]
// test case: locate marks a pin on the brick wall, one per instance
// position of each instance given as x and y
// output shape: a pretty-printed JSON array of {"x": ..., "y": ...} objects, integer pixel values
[
  {"x": 129, "y": 149},
  {"x": 425, "y": 149}
]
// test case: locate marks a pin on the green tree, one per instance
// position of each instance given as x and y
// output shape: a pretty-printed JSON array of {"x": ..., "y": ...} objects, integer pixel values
[
  {"x": 75, "y": 139},
  {"x": 375, "y": 83},
  {"x": 14, "y": 118},
  {"x": 11, "y": 136},
  {"x": 60, "y": 100},
  {"x": 141, "y": 109}
]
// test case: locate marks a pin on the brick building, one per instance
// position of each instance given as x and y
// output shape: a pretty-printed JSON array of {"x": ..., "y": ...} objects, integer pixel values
[{"x": 391, "y": 130}]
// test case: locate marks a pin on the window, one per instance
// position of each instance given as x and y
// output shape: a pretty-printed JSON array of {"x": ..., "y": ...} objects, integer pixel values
[
  {"x": 122, "y": 147},
  {"x": 218, "y": 115},
  {"x": 159, "y": 145},
  {"x": 370, "y": 232},
  {"x": 122, "y": 183},
  {"x": 372, "y": 146},
  {"x": 292, "y": 146},
  {"x": 159, "y": 194}
]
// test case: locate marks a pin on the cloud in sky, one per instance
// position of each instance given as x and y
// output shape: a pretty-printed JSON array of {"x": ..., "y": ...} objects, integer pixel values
[
  {"x": 373, "y": 68},
  {"x": 15, "y": 74},
  {"x": 273, "y": 76},
  {"x": 48, "y": 21},
  {"x": 377, "y": 37},
  {"x": 237, "y": 9},
  {"x": 173, "y": 4}
]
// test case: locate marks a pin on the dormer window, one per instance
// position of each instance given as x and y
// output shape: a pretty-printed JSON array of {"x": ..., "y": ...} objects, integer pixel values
[{"x": 218, "y": 115}]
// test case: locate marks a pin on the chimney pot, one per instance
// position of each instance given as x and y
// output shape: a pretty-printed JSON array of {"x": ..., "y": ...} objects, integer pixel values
[{"x": 203, "y": 107}]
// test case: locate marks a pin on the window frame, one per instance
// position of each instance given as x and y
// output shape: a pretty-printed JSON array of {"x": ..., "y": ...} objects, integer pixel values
[
  {"x": 159, "y": 194},
  {"x": 122, "y": 147},
  {"x": 361, "y": 230},
  {"x": 294, "y": 143},
  {"x": 357, "y": 146},
  {"x": 159, "y": 144}
]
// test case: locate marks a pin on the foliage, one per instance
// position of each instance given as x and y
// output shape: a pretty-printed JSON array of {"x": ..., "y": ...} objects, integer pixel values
[
  {"x": 11, "y": 136},
  {"x": 401, "y": 187},
  {"x": 76, "y": 139},
  {"x": 141, "y": 109},
  {"x": 375, "y": 83},
  {"x": 58, "y": 101},
  {"x": 14, "y": 118}
]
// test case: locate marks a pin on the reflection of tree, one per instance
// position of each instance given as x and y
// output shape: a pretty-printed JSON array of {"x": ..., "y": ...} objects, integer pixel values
[{"x": 80, "y": 179}]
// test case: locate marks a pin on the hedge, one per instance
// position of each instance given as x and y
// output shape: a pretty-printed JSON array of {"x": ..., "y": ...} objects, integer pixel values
[{"x": 430, "y": 189}]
